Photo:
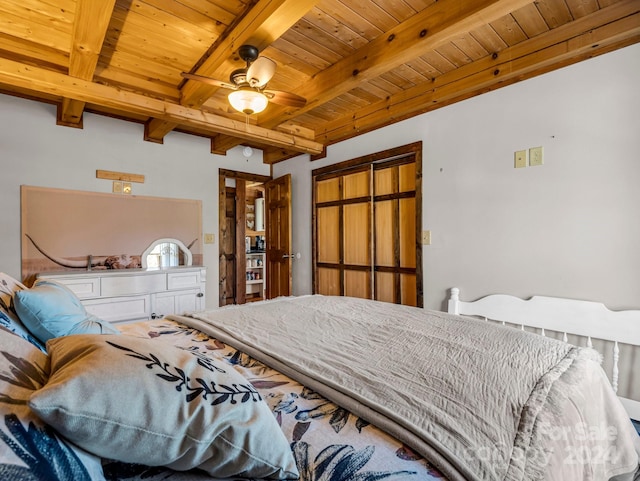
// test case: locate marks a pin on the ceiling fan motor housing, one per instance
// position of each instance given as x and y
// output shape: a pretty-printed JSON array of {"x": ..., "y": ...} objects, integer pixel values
[
  {"x": 248, "y": 53},
  {"x": 239, "y": 77}
]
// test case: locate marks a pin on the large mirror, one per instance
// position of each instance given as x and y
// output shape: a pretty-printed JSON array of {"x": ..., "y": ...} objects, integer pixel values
[{"x": 166, "y": 253}]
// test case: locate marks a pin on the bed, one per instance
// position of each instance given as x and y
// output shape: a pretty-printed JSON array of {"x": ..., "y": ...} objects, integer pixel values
[{"x": 308, "y": 386}]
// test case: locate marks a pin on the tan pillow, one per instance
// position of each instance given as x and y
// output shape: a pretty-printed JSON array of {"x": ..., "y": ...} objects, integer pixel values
[{"x": 144, "y": 401}]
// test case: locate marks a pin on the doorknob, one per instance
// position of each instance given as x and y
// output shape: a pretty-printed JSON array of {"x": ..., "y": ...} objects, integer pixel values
[{"x": 288, "y": 256}]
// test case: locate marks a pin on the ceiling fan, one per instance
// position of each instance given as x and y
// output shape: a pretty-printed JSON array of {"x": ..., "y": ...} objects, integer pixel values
[{"x": 250, "y": 94}]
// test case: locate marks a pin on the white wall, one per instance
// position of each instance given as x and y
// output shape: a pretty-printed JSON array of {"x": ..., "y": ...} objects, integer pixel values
[
  {"x": 568, "y": 228},
  {"x": 35, "y": 151}
]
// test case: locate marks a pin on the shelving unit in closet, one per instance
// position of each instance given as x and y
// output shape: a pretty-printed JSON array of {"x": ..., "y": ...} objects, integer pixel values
[{"x": 255, "y": 276}]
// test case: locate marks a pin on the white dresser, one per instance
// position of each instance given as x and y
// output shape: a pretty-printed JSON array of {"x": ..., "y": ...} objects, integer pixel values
[{"x": 126, "y": 295}]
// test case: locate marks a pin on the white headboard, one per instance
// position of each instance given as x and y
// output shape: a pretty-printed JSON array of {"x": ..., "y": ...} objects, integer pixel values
[{"x": 591, "y": 320}]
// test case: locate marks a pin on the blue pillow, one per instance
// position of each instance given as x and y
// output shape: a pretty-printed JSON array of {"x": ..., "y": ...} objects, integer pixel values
[
  {"x": 10, "y": 323},
  {"x": 50, "y": 309}
]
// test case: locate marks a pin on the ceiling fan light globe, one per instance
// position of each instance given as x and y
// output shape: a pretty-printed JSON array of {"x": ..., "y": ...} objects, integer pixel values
[
  {"x": 260, "y": 72},
  {"x": 248, "y": 101}
]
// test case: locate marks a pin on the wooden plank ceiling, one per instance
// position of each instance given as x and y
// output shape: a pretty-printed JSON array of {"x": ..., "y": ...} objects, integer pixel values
[{"x": 360, "y": 64}]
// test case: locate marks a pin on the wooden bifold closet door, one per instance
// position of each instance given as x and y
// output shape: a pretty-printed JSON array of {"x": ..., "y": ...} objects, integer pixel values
[{"x": 367, "y": 226}]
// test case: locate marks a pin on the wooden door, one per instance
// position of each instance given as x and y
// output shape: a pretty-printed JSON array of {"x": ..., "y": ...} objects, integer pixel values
[
  {"x": 343, "y": 234},
  {"x": 367, "y": 224},
  {"x": 241, "y": 257},
  {"x": 278, "y": 236},
  {"x": 227, "y": 256},
  {"x": 394, "y": 219}
]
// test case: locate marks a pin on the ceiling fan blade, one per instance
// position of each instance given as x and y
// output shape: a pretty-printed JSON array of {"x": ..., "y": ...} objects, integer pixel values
[
  {"x": 285, "y": 98},
  {"x": 210, "y": 81},
  {"x": 261, "y": 71}
]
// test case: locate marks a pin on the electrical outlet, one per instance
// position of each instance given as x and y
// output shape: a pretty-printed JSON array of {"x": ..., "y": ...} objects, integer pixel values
[
  {"x": 426, "y": 237},
  {"x": 535, "y": 156},
  {"x": 209, "y": 238},
  {"x": 520, "y": 159},
  {"x": 117, "y": 187}
]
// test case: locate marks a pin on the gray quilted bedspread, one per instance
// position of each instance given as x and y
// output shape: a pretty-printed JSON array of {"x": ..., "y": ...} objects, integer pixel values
[{"x": 480, "y": 401}]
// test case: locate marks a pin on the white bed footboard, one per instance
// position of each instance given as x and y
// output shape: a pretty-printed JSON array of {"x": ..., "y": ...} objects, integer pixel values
[{"x": 589, "y": 320}]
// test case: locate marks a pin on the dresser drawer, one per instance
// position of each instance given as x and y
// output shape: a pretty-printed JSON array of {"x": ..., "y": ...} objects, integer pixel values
[
  {"x": 117, "y": 309},
  {"x": 125, "y": 285},
  {"x": 83, "y": 287},
  {"x": 183, "y": 280}
]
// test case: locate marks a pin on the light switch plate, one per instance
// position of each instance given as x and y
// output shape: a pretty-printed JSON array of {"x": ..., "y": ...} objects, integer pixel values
[
  {"x": 117, "y": 187},
  {"x": 126, "y": 188},
  {"x": 535, "y": 156},
  {"x": 520, "y": 159},
  {"x": 209, "y": 238},
  {"x": 426, "y": 237}
]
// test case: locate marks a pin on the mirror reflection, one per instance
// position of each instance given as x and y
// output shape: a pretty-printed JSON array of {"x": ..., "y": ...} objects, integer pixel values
[{"x": 164, "y": 253}]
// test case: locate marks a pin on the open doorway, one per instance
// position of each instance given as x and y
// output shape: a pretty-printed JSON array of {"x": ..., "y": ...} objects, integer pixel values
[
  {"x": 255, "y": 242},
  {"x": 242, "y": 237},
  {"x": 255, "y": 237}
]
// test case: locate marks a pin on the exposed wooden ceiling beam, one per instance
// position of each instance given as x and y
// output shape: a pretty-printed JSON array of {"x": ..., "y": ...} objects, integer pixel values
[
  {"x": 586, "y": 37},
  {"x": 29, "y": 77},
  {"x": 425, "y": 31},
  {"x": 271, "y": 155},
  {"x": 274, "y": 155},
  {"x": 89, "y": 29},
  {"x": 69, "y": 113},
  {"x": 332, "y": 49},
  {"x": 156, "y": 129},
  {"x": 263, "y": 23},
  {"x": 221, "y": 143},
  {"x": 602, "y": 31}
]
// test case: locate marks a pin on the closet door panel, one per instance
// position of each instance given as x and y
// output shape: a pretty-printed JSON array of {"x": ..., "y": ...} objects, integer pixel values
[
  {"x": 407, "y": 177},
  {"x": 328, "y": 234},
  {"x": 357, "y": 284},
  {"x": 329, "y": 282},
  {"x": 408, "y": 287},
  {"x": 375, "y": 200},
  {"x": 357, "y": 234},
  {"x": 385, "y": 287},
  {"x": 356, "y": 185},
  {"x": 385, "y": 181},
  {"x": 328, "y": 190},
  {"x": 407, "y": 230},
  {"x": 384, "y": 232}
]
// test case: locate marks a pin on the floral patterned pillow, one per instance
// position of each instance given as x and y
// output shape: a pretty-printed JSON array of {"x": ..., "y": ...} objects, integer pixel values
[
  {"x": 10, "y": 322},
  {"x": 148, "y": 402},
  {"x": 8, "y": 317},
  {"x": 29, "y": 449},
  {"x": 8, "y": 288}
]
